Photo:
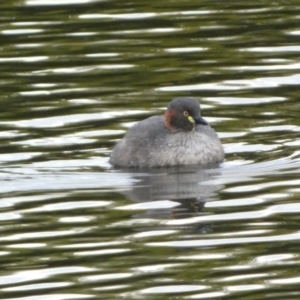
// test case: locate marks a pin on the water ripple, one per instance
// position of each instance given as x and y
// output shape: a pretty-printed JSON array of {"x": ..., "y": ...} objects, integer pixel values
[{"x": 227, "y": 241}]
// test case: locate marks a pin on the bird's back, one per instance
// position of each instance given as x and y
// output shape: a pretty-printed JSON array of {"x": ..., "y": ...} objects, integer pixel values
[{"x": 139, "y": 143}]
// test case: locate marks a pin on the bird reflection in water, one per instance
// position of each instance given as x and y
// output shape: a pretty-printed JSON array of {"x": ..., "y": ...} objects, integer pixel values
[{"x": 190, "y": 187}]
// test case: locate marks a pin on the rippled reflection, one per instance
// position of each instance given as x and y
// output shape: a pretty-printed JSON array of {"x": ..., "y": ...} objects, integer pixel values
[{"x": 75, "y": 75}]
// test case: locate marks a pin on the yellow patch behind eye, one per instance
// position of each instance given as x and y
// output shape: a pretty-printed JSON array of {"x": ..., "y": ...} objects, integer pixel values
[{"x": 191, "y": 119}]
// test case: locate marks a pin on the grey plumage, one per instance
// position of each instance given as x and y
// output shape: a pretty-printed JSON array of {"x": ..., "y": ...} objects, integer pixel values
[{"x": 150, "y": 144}]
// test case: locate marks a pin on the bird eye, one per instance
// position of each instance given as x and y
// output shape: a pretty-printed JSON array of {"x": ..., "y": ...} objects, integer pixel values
[{"x": 185, "y": 113}]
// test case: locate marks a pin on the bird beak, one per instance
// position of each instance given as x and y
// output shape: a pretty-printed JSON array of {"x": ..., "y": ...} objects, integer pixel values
[{"x": 200, "y": 120}]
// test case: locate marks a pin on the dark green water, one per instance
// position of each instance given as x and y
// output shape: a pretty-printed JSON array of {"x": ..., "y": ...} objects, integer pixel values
[{"x": 75, "y": 75}]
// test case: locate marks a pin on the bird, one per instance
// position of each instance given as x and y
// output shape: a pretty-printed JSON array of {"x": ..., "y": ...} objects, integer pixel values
[{"x": 181, "y": 137}]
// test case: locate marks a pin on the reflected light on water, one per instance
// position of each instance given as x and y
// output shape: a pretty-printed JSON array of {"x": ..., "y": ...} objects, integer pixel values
[
  {"x": 231, "y": 85},
  {"x": 21, "y": 31},
  {"x": 129, "y": 16},
  {"x": 75, "y": 75},
  {"x": 57, "y": 2},
  {"x": 23, "y": 59}
]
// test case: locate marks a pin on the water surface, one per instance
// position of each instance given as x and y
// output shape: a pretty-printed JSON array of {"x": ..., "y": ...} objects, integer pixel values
[{"x": 75, "y": 75}]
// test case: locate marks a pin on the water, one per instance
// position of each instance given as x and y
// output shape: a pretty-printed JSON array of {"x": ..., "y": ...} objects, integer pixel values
[{"x": 75, "y": 75}]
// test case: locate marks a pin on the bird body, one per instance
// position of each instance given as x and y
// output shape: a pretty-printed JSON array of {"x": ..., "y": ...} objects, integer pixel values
[{"x": 181, "y": 137}]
